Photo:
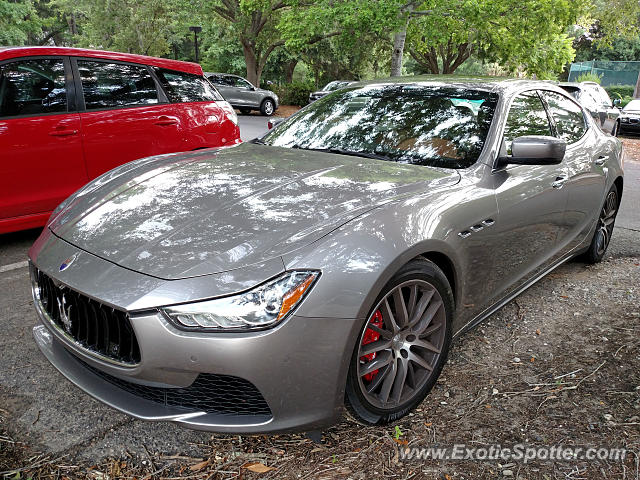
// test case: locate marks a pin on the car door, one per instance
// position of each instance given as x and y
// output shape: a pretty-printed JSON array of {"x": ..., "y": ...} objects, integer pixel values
[
  {"x": 40, "y": 149},
  {"x": 207, "y": 120},
  {"x": 225, "y": 85},
  {"x": 246, "y": 93},
  {"x": 531, "y": 201},
  {"x": 610, "y": 113},
  {"x": 124, "y": 116},
  {"x": 585, "y": 159}
]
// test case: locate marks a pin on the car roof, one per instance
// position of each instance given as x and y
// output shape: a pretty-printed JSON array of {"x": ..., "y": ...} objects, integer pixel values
[
  {"x": 497, "y": 84},
  {"x": 15, "y": 52},
  {"x": 577, "y": 84}
]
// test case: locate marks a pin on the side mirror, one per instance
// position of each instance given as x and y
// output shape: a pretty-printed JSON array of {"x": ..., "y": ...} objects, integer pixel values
[
  {"x": 535, "y": 150},
  {"x": 617, "y": 102},
  {"x": 274, "y": 122}
]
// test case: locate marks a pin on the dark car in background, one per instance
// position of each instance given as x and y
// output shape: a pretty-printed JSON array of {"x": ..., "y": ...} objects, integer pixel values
[
  {"x": 597, "y": 101},
  {"x": 328, "y": 88},
  {"x": 630, "y": 117},
  {"x": 244, "y": 96},
  {"x": 68, "y": 115}
]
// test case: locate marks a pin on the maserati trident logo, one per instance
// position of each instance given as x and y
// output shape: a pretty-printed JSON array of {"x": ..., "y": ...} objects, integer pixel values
[
  {"x": 64, "y": 310},
  {"x": 67, "y": 263}
]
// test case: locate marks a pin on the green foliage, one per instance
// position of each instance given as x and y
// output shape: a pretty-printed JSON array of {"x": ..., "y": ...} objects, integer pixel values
[
  {"x": 295, "y": 93},
  {"x": 589, "y": 77},
  {"x": 620, "y": 91},
  {"x": 18, "y": 20},
  {"x": 520, "y": 35},
  {"x": 625, "y": 101}
]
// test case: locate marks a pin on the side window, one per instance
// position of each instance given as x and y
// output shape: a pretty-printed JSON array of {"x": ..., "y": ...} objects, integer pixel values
[
  {"x": 242, "y": 83},
  {"x": 32, "y": 87},
  {"x": 527, "y": 116},
  {"x": 219, "y": 80},
  {"x": 186, "y": 87},
  {"x": 567, "y": 116},
  {"x": 111, "y": 85}
]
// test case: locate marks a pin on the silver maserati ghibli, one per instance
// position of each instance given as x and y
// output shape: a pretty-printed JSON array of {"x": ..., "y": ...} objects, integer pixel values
[{"x": 329, "y": 264}]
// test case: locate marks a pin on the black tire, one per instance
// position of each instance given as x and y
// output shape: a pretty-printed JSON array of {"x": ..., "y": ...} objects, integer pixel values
[
  {"x": 245, "y": 111},
  {"x": 268, "y": 107},
  {"x": 604, "y": 227},
  {"x": 360, "y": 404}
]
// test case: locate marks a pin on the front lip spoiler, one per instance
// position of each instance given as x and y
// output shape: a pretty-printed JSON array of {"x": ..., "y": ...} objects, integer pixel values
[{"x": 135, "y": 406}]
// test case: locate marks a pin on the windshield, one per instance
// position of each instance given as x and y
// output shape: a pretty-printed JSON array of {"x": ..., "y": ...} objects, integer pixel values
[
  {"x": 423, "y": 125},
  {"x": 331, "y": 86},
  {"x": 633, "y": 105}
]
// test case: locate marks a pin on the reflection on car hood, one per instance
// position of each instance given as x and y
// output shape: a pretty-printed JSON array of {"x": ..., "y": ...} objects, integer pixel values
[{"x": 211, "y": 211}]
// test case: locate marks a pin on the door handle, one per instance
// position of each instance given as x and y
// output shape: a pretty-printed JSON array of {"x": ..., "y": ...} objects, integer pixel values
[
  {"x": 600, "y": 160},
  {"x": 559, "y": 182},
  {"x": 63, "y": 132},
  {"x": 163, "y": 120}
]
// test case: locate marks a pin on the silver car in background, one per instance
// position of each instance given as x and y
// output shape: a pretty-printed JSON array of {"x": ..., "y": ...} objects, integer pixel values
[
  {"x": 241, "y": 94},
  {"x": 597, "y": 101},
  {"x": 266, "y": 286}
]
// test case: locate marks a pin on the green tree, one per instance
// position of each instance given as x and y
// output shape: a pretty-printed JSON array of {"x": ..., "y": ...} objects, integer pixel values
[
  {"x": 18, "y": 21},
  {"x": 518, "y": 34}
]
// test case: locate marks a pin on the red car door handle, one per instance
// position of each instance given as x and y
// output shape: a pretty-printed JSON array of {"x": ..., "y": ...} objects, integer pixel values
[
  {"x": 63, "y": 132},
  {"x": 166, "y": 121}
]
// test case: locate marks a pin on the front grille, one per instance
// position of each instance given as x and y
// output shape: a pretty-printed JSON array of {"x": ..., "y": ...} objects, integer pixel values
[
  {"x": 218, "y": 394},
  {"x": 96, "y": 327}
]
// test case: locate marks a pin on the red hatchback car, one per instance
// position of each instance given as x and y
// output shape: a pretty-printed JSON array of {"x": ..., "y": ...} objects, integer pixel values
[{"x": 68, "y": 115}]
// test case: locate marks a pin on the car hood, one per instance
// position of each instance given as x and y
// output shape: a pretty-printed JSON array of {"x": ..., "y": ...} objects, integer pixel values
[{"x": 211, "y": 211}]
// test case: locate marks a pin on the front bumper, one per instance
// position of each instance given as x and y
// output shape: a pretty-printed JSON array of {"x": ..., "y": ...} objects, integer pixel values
[
  {"x": 630, "y": 123},
  {"x": 299, "y": 367}
]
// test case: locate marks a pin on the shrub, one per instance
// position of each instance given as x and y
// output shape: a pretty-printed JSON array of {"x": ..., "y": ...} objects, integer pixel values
[
  {"x": 295, "y": 93},
  {"x": 625, "y": 101},
  {"x": 589, "y": 77},
  {"x": 620, "y": 91}
]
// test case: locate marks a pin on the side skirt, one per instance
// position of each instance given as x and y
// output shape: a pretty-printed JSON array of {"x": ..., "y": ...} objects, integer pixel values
[{"x": 501, "y": 303}]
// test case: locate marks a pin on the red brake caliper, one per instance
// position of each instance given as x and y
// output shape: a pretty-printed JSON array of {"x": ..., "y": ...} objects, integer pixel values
[{"x": 371, "y": 336}]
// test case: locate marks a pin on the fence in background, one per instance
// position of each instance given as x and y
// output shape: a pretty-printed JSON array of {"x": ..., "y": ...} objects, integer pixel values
[{"x": 610, "y": 72}]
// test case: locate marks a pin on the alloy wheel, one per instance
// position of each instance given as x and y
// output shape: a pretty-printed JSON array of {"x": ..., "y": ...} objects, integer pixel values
[
  {"x": 401, "y": 345},
  {"x": 268, "y": 107},
  {"x": 606, "y": 221}
]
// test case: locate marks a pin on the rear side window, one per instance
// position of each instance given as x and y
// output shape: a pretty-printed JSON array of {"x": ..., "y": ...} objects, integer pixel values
[
  {"x": 567, "y": 116},
  {"x": 32, "y": 87},
  {"x": 185, "y": 87},
  {"x": 112, "y": 85},
  {"x": 600, "y": 94},
  {"x": 220, "y": 80},
  {"x": 527, "y": 116}
]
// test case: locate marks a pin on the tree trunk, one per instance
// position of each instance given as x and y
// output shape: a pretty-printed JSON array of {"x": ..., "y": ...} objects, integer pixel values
[
  {"x": 289, "y": 69},
  {"x": 253, "y": 68},
  {"x": 398, "y": 51},
  {"x": 636, "y": 91}
]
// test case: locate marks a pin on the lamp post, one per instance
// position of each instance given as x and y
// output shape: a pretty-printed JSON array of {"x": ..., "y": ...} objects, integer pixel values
[{"x": 196, "y": 31}]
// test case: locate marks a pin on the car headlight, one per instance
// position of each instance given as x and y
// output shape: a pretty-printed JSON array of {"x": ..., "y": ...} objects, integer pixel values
[{"x": 259, "y": 308}]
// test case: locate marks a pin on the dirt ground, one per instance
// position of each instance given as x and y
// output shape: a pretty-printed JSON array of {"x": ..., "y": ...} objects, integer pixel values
[{"x": 559, "y": 365}]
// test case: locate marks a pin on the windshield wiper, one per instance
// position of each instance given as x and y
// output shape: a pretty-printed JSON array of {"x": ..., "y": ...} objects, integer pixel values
[
  {"x": 340, "y": 151},
  {"x": 257, "y": 141}
]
